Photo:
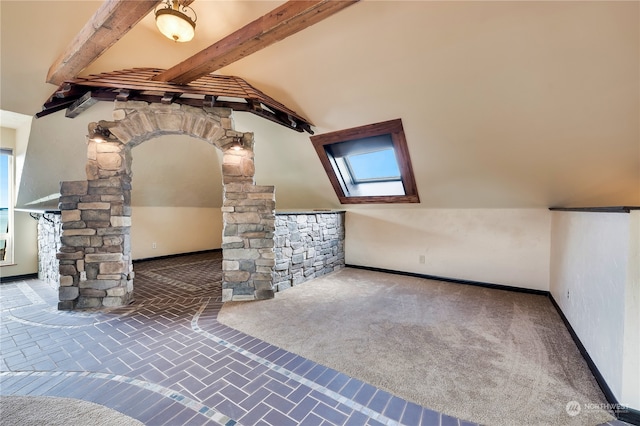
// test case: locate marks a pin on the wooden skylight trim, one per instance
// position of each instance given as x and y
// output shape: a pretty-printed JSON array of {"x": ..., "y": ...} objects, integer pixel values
[{"x": 396, "y": 131}]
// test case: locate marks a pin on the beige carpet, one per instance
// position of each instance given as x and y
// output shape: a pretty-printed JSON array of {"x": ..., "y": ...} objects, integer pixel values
[
  {"x": 488, "y": 356},
  {"x": 51, "y": 411}
]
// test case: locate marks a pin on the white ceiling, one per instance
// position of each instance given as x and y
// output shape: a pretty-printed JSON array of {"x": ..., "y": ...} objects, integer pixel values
[{"x": 504, "y": 104}]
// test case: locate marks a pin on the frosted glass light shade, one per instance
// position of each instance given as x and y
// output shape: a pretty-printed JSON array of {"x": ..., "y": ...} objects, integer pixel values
[{"x": 175, "y": 25}]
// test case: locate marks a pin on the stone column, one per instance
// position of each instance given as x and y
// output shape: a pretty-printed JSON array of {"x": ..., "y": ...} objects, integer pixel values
[
  {"x": 95, "y": 257},
  {"x": 249, "y": 224}
]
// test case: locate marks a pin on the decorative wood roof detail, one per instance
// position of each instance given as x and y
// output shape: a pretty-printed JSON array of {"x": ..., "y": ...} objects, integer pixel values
[{"x": 137, "y": 84}]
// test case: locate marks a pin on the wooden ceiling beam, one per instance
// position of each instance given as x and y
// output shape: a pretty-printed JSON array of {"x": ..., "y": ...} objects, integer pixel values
[
  {"x": 109, "y": 24},
  {"x": 280, "y": 23}
]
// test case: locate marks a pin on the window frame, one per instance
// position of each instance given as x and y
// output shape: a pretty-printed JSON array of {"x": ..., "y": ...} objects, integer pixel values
[
  {"x": 9, "y": 235},
  {"x": 394, "y": 129}
]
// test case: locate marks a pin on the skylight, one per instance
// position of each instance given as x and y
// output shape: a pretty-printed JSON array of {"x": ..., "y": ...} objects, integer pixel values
[
  {"x": 368, "y": 164},
  {"x": 373, "y": 166}
]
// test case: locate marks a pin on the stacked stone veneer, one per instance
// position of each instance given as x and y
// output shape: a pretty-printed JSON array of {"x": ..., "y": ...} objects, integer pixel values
[
  {"x": 95, "y": 259},
  {"x": 95, "y": 256},
  {"x": 247, "y": 241},
  {"x": 307, "y": 245},
  {"x": 49, "y": 232}
]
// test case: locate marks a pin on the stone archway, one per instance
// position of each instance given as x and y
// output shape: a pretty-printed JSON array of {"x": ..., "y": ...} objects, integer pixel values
[{"x": 96, "y": 268}]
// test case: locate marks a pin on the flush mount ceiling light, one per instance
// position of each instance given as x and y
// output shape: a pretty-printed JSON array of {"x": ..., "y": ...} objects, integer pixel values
[{"x": 174, "y": 22}]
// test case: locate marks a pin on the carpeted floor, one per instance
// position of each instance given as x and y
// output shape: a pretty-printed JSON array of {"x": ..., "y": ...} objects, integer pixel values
[
  {"x": 52, "y": 411},
  {"x": 488, "y": 356}
]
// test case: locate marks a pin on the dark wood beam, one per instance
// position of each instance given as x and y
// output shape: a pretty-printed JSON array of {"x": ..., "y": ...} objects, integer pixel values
[
  {"x": 280, "y": 23},
  {"x": 67, "y": 91},
  {"x": 63, "y": 91},
  {"x": 80, "y": 105},
  {"x": 51, "y": 107},
  {"x": 209, "y": 101},
  {"x": 111, "y": 21},
  {"x": 255, "y": 105},
  {"x": 169, "y": 98},
  {"x": 123, "y": 95}
]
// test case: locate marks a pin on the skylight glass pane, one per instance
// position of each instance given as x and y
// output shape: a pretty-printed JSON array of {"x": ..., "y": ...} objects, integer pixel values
[{"x": 377, "y": 165}]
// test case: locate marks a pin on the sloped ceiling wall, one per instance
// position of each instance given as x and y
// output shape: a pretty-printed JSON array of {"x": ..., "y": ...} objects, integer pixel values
[{"x": 504, "y": 104}]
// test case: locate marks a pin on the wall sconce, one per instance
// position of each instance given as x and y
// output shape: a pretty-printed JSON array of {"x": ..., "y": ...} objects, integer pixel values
[
  {"x": 172, "y": 21},
  {"x": 237, "y": 144},
  {"x": 100, "y": 134}
]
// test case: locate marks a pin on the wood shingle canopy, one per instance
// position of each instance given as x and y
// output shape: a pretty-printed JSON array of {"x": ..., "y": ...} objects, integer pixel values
[{"x": 211, "y": 90}]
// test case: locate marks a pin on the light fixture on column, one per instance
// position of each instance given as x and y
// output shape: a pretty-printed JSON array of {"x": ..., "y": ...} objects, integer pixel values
[
  {"x": 174, "y": 22},
  {"x": 237, "y": 144},
  {"x": 99, "y": 134}
]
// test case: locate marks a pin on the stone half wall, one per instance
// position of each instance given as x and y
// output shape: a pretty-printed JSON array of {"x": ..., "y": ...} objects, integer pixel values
[{"x": 307, "y": 245}]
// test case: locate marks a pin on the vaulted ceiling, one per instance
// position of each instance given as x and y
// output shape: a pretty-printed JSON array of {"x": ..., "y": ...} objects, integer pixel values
[{"x": 504, "y": 104}]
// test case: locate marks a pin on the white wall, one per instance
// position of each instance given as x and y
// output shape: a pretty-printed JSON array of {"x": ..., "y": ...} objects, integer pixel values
[
  {"x": 174, "y": 230},
  {"x": 499, "y": 246},
  {"x": 25, "y": 255},
  {"x": 631, "y": 350},
  {"x": 56, "y": 152},
  {"x": 590, "y": 281}
]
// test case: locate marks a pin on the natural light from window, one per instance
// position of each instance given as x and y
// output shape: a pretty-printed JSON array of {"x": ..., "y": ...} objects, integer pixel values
[
  {"x": 368, "y": 164},
  {"x": 373, "y": 166},
  {"x": 6, "y": 211}
]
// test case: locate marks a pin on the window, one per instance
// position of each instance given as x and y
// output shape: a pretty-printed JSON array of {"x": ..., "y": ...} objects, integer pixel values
[
  {"x": 373, "y": 166},
  {"x": 6, "y": 206},
  {"x": 368, "y": 164}
]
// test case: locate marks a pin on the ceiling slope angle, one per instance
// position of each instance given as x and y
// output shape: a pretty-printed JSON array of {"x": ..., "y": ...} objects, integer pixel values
[{"x": 211, "y": 90}]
